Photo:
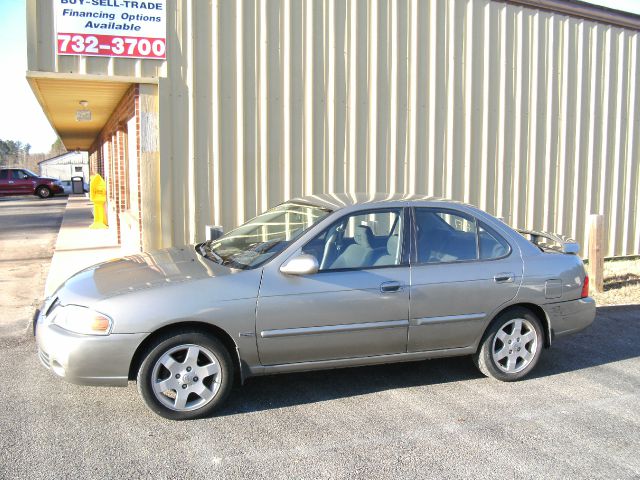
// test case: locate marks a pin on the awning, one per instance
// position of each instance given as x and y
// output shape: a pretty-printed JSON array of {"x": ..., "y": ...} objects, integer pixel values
[{"x": 63, "y": 95}]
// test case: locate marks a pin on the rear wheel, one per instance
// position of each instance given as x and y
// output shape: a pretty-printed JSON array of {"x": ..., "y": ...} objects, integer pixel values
[
  {"x": 512, "y": 346},
  {"x": 186, "y": 375},
  {"x": 43, "y": 192}
]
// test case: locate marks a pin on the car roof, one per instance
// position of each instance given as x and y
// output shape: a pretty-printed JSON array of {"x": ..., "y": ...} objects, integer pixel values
[{"x": 337, "y": 201}]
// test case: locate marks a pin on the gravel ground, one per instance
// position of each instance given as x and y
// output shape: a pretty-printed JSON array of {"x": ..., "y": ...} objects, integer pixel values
[{"x": 621, "y": 283}]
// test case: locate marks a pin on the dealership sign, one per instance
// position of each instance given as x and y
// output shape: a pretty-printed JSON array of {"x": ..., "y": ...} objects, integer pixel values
[{"x": 111, "y": 28}]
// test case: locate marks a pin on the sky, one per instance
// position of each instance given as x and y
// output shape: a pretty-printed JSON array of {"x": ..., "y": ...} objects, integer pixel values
[
  {"x": 632, "y": 6},
  {"x": 21, "y": 117}
]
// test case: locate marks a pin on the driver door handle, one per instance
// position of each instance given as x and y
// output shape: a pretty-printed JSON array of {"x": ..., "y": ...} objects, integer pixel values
[
  {"x": 504, "y": 277},
  {"x": 387, "y": 287}
]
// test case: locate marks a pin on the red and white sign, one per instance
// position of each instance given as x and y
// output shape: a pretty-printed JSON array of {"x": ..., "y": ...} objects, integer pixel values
[{"x": 111, "y": 28}]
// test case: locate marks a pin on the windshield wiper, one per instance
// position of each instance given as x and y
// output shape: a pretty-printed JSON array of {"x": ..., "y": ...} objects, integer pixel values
[{"x": 202, "y": 249}]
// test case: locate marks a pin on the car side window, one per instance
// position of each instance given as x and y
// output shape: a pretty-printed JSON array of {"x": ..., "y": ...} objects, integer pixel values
[
  {"x": 491, "y": 244},
  {"x": 361, "y": 240},
  {"x": 18, "y": 174},
  {"x": 4, "y": 174},
  {"x": 445, "y": 236}
]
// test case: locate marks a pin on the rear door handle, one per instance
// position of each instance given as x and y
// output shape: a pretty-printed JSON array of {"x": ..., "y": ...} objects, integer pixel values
[
  {"x": 504, "y": 277},
  {"x": 387, "y": 287}
]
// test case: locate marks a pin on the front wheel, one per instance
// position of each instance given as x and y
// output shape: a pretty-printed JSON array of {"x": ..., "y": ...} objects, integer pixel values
[
  {"x": 511, "y": 347},
  {"x": 186, "y": 375},
  {"x": 43, "y": 192}
]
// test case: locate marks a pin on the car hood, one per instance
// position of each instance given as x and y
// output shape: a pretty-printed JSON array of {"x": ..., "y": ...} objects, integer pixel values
[{"x": 133, "y": 273}]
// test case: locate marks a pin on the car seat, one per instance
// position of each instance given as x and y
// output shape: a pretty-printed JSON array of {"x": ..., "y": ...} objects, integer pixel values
[
  {"x": 391, "y": 258},
  {"x": 359, "y": 253}
]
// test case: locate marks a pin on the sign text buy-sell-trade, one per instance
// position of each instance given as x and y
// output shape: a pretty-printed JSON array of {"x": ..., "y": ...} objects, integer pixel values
[{"x": 111, "y": 28}]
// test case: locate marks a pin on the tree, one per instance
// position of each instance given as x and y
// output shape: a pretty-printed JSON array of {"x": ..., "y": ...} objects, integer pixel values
[
  {"x": 57, "y": 148},
  {"x": 14, "y": 153}
]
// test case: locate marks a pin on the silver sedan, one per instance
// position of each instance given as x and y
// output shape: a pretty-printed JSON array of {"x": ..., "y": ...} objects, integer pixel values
[{"x": 319, "y": 282}]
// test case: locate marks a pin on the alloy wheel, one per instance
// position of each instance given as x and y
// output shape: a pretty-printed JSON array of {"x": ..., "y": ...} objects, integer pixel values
[
  {"x": 186, "y": 377},
  {"x": 514, "y": 345}
]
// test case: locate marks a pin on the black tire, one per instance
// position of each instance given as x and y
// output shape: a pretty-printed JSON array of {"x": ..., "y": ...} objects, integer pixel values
[
  {"x": 43, "y": 192},
  {"x": 152, "y": 367},
  {"x": 514, "y": 366}
]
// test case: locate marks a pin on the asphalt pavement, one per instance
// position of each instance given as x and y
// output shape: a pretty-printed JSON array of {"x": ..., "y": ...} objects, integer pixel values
[
  {"x": 28, "y": 230},
  {"x": 578, "y": 416}
]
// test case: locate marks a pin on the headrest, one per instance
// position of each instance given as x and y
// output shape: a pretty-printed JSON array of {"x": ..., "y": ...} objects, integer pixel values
[
  {"x": 363, "y": 235},
  {"x": 392, "y": 245}
]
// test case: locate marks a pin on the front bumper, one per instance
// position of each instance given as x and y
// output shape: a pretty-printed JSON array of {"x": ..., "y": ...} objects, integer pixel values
[
  {"x": 87, "y": 359},
  {"x": 570, "y": 317}
]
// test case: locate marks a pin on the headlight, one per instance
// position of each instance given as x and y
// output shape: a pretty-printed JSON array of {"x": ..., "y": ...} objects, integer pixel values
[{"x": 81, "y": 320}]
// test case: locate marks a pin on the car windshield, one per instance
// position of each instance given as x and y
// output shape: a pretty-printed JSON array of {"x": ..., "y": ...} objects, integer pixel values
[
  {"x": 263, "y": 237},
  {"x": 29, "y": 172}
]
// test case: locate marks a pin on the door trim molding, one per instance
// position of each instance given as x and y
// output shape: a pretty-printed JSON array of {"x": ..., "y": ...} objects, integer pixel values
[
  {"x": 449, "y": 318},
  {"x": 348, "y": 327}
]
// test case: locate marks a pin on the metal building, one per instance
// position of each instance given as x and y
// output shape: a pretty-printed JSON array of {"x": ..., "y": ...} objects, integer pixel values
[
  {"x": 66, "y": 166},
  {"x": 527, "y": 108}
]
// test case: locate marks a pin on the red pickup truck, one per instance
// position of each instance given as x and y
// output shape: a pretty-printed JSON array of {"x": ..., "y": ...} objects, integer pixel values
[{"x": 20, "y": 181}]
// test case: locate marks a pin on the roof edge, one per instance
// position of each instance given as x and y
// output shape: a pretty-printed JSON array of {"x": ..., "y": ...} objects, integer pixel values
[
  {"x": 584, "y": 10},
  {"x": 37, "y": 74},
  {"x": 72, "y": 152}
]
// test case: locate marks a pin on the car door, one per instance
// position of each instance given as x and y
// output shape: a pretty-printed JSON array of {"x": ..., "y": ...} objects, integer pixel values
[
  {"x": 462, "y": 270},
  {"x": 23, "y": 184},
  {"x": 356, "y": 305},
  {"x": 6, "y": 183}
]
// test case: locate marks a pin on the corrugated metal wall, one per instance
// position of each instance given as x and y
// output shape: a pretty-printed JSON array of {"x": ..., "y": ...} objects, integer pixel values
[{"x": 531, "y": 115}]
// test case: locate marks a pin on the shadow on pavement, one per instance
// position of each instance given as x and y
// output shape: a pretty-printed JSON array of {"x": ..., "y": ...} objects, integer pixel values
[
  {"x": 593, "y": 347},
  {"x": 614, "y": 336}
]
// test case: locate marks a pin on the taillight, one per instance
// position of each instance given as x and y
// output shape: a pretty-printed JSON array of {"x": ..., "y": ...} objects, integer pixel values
[{"x": 585, "y": 287}]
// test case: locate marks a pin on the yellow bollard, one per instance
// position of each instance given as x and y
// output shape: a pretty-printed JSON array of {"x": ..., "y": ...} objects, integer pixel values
[
  {"x": 98, "y": 195},
  {"x": 90, "y": 189}
]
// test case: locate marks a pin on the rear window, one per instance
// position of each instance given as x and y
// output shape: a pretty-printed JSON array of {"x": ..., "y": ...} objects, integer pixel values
[{"x": 445, "y": 236}]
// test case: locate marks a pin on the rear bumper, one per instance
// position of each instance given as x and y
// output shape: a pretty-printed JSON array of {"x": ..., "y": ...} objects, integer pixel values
[{"x": 570, "y": 317}]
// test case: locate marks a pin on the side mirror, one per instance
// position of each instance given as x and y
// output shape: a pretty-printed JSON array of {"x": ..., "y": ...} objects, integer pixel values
[
  {"x": 303, "y": 264},
  {"x": 213, "y": 232}
]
